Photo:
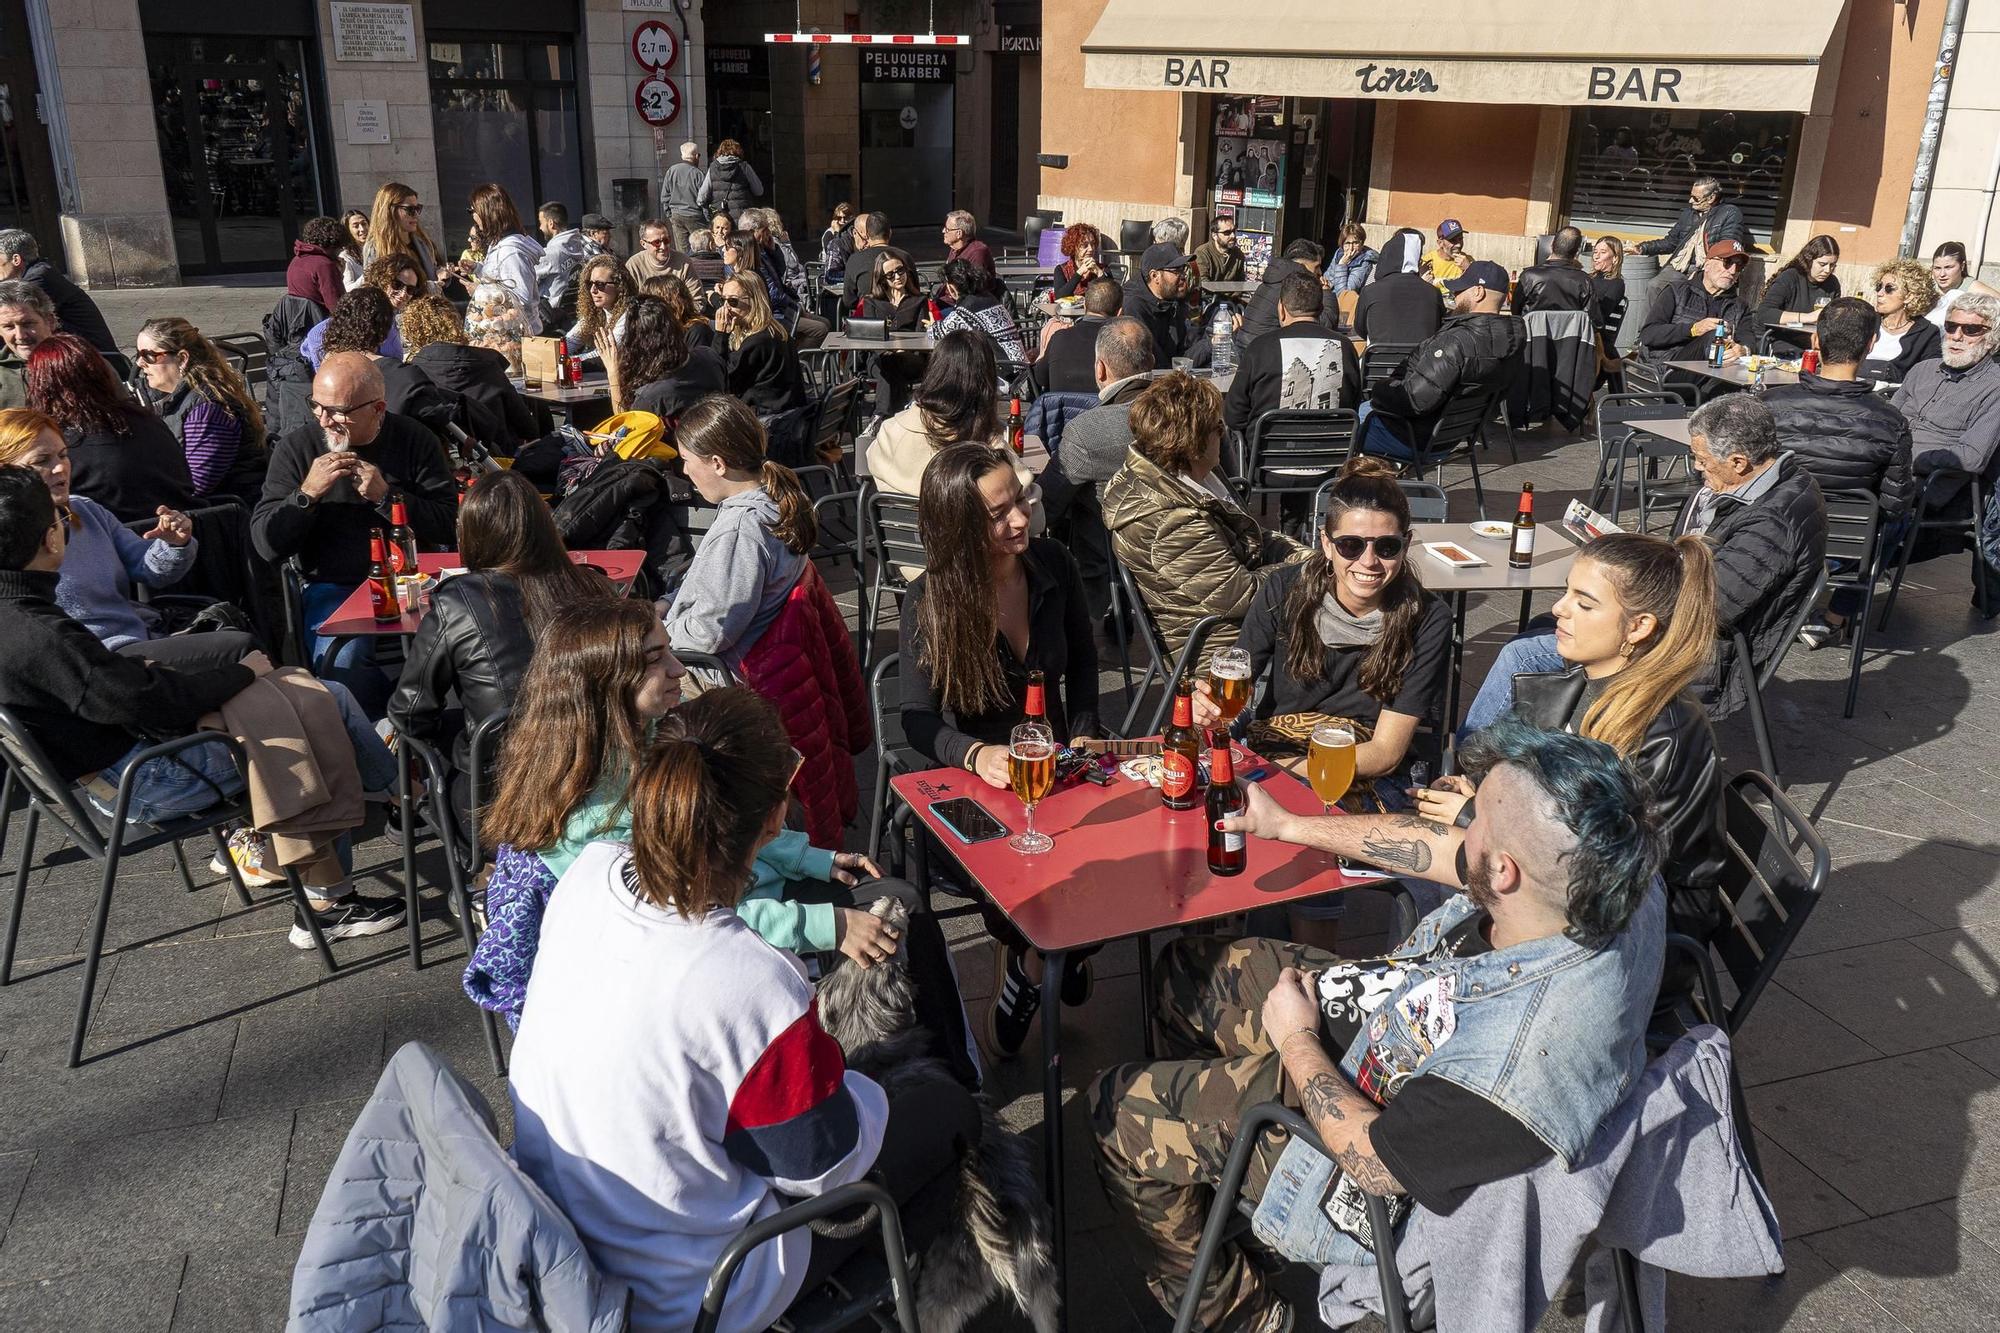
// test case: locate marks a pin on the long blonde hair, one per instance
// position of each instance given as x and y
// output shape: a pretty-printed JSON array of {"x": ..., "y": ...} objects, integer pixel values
[
  {"x": 208, "y": 372},
  {"x": 757, "y": 319},
  {"x": 1674, "y": 582},
  {"x": 387, "y": 232}
]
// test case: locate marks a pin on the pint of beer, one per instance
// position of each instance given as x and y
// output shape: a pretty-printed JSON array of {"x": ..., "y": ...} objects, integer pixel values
[{"x": 1330, "y": 762}]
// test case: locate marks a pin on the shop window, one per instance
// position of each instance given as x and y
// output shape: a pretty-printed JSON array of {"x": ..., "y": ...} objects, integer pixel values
[
  {"x": 1629, "y": 169},
  {"x": 504, "y": 109}
]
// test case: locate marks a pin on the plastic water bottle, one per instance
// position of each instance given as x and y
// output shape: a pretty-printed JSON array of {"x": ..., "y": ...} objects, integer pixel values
[{"x": 1222, "y": 340}]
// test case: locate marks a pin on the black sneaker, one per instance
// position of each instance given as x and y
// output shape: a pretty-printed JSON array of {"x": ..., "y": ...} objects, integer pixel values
[
  {"x": 1013, "y": 1008},
  {"x": 351, "y": 916},
  {"x": 1077, "y": 982}
]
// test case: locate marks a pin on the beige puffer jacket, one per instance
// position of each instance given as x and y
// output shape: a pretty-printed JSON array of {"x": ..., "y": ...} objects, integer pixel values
[{"x": 1191, "y": 554}]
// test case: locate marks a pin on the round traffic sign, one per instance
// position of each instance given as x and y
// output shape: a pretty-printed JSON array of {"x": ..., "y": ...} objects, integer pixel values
[
  {"x": 653, "y": 45},
  {"x": 658, "y": 99}
]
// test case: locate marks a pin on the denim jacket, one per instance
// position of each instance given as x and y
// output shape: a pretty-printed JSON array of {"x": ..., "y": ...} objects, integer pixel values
[{"x": 1549, "y": 1031}]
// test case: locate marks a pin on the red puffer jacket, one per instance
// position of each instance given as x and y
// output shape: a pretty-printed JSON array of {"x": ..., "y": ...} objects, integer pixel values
[{"x": 805, "y": 664}]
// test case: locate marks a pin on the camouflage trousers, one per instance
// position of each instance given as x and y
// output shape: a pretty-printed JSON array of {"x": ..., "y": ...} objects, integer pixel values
[{"x": 1164, "y": 1129}]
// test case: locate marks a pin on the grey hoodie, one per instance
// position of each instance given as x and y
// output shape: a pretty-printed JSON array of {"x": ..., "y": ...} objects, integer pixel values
[{"x": 738, "y": 582}]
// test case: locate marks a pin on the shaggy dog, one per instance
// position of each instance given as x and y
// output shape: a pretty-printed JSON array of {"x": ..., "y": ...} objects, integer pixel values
[{"x": 1001, "y": 1240}]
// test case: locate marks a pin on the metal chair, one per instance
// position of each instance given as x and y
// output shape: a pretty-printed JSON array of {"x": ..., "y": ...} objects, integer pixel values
[
  {"x": 247, "y": 355},
  {"x": 1292, "y": 452},
  {"x": 1134, "y": 236},
  {"x": 1762, "y": 676},
  {"x": 892, "y": 541},
  {"x": 1158, "y": 653},
  {"x": 32, "y": 775},
  {"x": 1427, "y": 501},
  {"x": 1619, "y": 441},
  {"x": 1460, "y": 429},
  {"x": 893, "y": 753},
  {"x": 1854, "y": 537},
  {"x": 848, "y": 1299},
  {"x": 833, "y": 428},
  {"x": 1382, "y": 362},
  {"x": 1641, "y": 376},
  {"x": 1967, "y": 528}
]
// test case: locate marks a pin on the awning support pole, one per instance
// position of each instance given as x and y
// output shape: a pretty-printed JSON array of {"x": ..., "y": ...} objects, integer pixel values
[{"x": 1927, "y": 143}]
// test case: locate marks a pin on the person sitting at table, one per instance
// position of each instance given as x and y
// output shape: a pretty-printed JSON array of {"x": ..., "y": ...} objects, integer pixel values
[
  {"x": 104, "y": 558},
  {"x": 970, "y": 298},
  {"x": 1081, "y": 264},
  {"x": 510, "y": 253},
  {"x": 1797, "y": 292},
  {"x": 1685, "y": 312},
  {"x": 1558, "y": 282},
  {"x": 1953, "y": 406},
  {"x": 92, "y": 711},
  {"x": 1607, "y": 285},
  {"x": 694, "y": 322},
  {"x": 1953, "y": 280},
  {"x": 497, "y": 415},
  {"x": 472, "y": 647},
  {"x": 1096, "y": 441},
  {"x": 1302, "y": 365},
  {"x": 763, "y": 365},
  {"x": 871, "y": 247},
  {"x": 994, "y": 604},
  {"x": 1480, "y": 347},
  {"x": 1559, "y": 935},
  {"x": 1400, "y": 306},
  {"x": 603, "y": 292},
  {"x": 314, "y": 270},
  {"x": 1069, "y": 346},
  {"x": 358, "y": 324},
  {"x": 1349, "y": 267},
  {"x": 1192, "y": 549},
  {"x": 1764, "y": 519},
  {"x": 1904, "y": 293},
  {"x": 958, "y": 402},
  {"x": 396, "y": 276},
  {"x": 121, "y": 455},
  {"x": 1156, "y": 296},
  {"x": 647, "y": 979},
  {"x": 892, "y": 297},
  {"x": 328, "y": 490},
  {"x": 207, "y": 405},
  {"x": 666, "y": 374},
  {"x": 395, "y": 226}
]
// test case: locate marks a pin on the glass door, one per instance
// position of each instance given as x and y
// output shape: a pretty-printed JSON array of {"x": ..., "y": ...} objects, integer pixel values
[
  {"x": 503, "y": 109},
  {"x": 27, "y": 174},
  {"x": 236, "y": 144}
]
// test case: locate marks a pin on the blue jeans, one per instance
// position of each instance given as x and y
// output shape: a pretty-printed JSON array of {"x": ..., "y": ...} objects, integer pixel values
[
  {"x": 1529, "y": 653},
  {"x": 353, "y": 662},
  {"x": 1382, "y": 435}
]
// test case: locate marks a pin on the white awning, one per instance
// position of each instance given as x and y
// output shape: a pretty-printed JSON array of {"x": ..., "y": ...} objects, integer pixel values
[{"x": 1693, "y": 54}]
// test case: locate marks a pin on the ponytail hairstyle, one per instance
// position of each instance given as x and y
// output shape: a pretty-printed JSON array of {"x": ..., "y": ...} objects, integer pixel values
[
  {"x": 703, "y": 794},
  {"x": 1366, "y": 484},
  {"x": 960, "y": 615},
  {"x": 212, "y": 377},
  {"x": 1674, "y": 582},
  {"x": 575, "y": 720},
  {"x": 723, "y": 426}
]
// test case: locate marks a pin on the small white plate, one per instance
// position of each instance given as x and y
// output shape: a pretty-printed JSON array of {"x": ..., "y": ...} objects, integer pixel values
[
  {"x": 1451, "y": 553},
  {"x": 1494, "y": 528}
]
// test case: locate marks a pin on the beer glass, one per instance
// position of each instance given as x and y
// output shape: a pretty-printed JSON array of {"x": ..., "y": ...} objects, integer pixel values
[
  {"x": 1031, "y": 771},
  {"x": 1229, "y": 681},
  {"x": 1330, "y": 763}
]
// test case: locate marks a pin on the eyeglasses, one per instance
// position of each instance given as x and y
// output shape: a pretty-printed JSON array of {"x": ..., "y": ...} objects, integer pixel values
[
  {"x": 736, "y": 302},
  {"x": 414, "y": 210},
  {"x": 407, "y": 288},
  {"x": 146, "y": 356},
  {"x": 1350, "y": 548},
  {"x": 655, "y": 242},
  {"x": 897, "y": 272},
  {"x": 1225, "y": 235},
  {"x": 1886, "y": 289},
  {"x": 1965, "y": 330},
  {"x": 343, "y": 414},
  {"x": 600, "y": 285}
]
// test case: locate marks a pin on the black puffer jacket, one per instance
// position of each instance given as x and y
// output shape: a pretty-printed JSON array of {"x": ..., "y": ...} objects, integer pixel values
[
  {"x": 1678, "y": 761},
  {"x": 1470, "y": 350},
  {"x": 631, "y": 505},
  {"x": 1262, "y": 314},
  {"x": 475, "y": 641},
  {"x": 495, "y": 413},
  {"x": 288, "y": 394},
  {"x": 1847, "y": 436},
  {"x": 1767, "y": 556}
]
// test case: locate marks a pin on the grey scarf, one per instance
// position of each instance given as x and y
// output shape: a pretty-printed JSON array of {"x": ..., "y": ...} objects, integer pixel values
[{"x": 1340, "y": 628}]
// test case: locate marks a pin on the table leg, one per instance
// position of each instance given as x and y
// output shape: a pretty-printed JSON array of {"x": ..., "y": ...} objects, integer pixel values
[
  {"x": 407, "y": 809},
  {"x": 1052, "y": 1127},
  {"x": 1527, "y": 605},
  {"x": 1145, "y": 943},
  {"x": 1457, "y": 668}
]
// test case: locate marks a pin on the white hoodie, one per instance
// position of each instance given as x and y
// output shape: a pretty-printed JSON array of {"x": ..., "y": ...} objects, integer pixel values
[{"x": 510, "y": 261}]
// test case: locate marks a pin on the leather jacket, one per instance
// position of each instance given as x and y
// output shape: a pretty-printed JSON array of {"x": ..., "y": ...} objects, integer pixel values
[
  {"x": 1555, "y": 285},
  {"x": 475, "y": 641},
  {"x": 1470, "y": 350}
]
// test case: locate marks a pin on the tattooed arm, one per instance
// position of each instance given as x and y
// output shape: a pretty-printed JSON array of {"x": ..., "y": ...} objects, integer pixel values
[
  {"x": 1401, "y": 844},
  {"x": 1338, "y": 1111}
]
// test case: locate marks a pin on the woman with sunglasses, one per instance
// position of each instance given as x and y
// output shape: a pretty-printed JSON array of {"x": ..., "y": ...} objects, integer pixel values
[
  {"x": 208, "y": 407},
  {"x": 398, "y": 278},
  {"x": 667, "y": 375},
  {"x": 396, "y": 226},
  {"x": 121, "y": 455},
  {"x": 763, "y": 365},
  {"x": 1954, "y": 279},
  {"x": 603, "y": 294},
  {"x": 892, "y": 297},
  {"x": 1904, "y": 294}
]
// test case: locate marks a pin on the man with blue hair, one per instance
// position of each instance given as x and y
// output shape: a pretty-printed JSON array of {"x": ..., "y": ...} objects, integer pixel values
[{"x": 1497, "y": 1035}]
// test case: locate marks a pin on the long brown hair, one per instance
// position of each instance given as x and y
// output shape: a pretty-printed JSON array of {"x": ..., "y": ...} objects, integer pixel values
[
  {"x": 1801, "y": 263},
  {"x": 388, "y": 233},
  {"x": 722, "y": 426},
  {"x": 505, "y": 525},
  {"x": 1368, "y": 485},
  {"x": 960, "y": 616},
  {"x": 1674, "y": 582},
  {"x": 493, "y": 212},
  {"x": 212, "y": 377},
  {"x": 575, "y": 720},
  {"x": 704, "y": 791}
]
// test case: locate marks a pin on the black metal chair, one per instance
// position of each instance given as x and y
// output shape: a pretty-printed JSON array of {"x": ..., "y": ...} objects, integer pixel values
[
  {"x": 1967, "y": 528},
  {"x": 1161, "y": 661},
  {"x": 1459, "y": 431},
  {"x": 833, "y": 428},
  {"x": 1382, "y": 362},
  {"x": 1761, "y": 675},
  {"x": 1854, "y": 538},
  {"x": 1642, "y": 376},
  {"x": 1134, "y": 236},
  {"x": 1427, "y": 500},
  {"x": 247, "y": 355},
  {"x": 109, "y": 841},
  {"x": 854, "y": 1295},
  {"x": 893, "y": 754},
  {"x": 1620, "y": 442},
  {"x": 1290, "y": 453},
  {"x": 892, "y": 542}
]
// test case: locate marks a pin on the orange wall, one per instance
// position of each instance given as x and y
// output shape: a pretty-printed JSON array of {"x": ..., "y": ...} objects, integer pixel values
[
  {"x": 1122, "y": 146},
  {"x": 1457, "y": 160},
  {"x": 1878, "y": 114}
]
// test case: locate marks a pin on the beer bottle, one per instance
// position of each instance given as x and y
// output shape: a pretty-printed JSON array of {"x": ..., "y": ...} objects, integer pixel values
[
  {"x": 1180, "y": 753},
  {"x": 1521, "y": 552},
  {"x": 1017, "y": 434},
  {"x": 382, "y": 599},
  {"x": 1038, "y": 710},
  {"x": 402, "y": 537},
  {"x": 1226, "y": 852}
]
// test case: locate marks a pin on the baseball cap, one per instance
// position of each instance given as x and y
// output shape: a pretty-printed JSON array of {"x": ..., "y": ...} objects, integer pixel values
[
  {"x": 1479, "y": 273},
  {"x": 1727, "y": 250},
  {"x": 595, "y": 222},
  {"x": 1450, "y": 229},
  {"x": 1163, "y": 254}
]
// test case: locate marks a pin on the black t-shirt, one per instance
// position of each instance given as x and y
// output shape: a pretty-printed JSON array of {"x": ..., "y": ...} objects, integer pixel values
[{"x": 1440, "y": 1140}]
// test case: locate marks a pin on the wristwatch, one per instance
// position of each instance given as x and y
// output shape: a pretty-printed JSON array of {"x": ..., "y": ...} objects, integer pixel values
[{"x": 303, "y": 501}]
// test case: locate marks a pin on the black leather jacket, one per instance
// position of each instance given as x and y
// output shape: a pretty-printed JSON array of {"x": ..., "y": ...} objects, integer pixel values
[
  {"x": 475, "y": 641},
  {"x": 1470, "y": 350},
  {"x": 1554, "y": 286},
  {"x": 1678, "y": 761}
]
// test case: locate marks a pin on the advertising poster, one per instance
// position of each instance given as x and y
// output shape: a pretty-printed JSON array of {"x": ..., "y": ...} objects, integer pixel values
[{"x": 1263, "y": 172}]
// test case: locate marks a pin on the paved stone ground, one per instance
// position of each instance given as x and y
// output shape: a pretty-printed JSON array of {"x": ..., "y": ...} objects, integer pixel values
[{"x": 165, "y": 1185}]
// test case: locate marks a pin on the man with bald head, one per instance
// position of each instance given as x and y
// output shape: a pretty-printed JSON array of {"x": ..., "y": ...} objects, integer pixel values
[
  {"x": 328, "y": 489},
  {"x": 1499, "y": 1034}
]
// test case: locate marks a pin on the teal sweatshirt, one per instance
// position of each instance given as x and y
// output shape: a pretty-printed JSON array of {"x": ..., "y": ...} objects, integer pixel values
[{"x": 800, "y": 927}]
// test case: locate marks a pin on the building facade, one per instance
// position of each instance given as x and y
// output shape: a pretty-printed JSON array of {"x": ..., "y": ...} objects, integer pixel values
[{"x": 149, "y": 142}]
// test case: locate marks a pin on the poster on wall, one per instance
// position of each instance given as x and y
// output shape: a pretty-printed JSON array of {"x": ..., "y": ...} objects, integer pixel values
[
  {"x": 1256, "y": 246},
  {"x": 1229, "y": 178},
  {"x": 1309, "y": 178},
  {"x": 1263, "y": 171}
]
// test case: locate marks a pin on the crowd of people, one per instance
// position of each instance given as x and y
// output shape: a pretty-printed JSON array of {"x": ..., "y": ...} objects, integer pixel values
[{"x": 668, "y": 871}]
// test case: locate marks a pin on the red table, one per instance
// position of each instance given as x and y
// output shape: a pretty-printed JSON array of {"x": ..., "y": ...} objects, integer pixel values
[
  {"x": 1123, "y": 865},
  {"x": 353, "y": 619}
]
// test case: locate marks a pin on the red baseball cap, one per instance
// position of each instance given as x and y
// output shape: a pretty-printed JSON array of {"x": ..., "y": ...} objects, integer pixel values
[{"x": 1727, "y": 250}]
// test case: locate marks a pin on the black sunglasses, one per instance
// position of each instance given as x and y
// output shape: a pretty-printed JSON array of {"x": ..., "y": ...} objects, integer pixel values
[
  {"x": 407, "y": 288},
  {"x": 1964, "y": 330},
  {"x": 600, "y": 285},
  {"x": 1350, "y": 548},
  {"x": 1886, "y": 289}
]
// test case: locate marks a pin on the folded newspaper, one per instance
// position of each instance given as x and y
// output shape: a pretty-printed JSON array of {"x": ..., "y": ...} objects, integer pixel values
[{"x": 1583, "y": 525}]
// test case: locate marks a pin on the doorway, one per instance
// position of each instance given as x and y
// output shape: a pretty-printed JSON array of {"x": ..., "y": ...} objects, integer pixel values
[
  {"x": 503, "y": 109},
  {"x": 1006, "y": 137},
  {"x": 238, "y": 146},
  {"x": 27, "y": 171}
]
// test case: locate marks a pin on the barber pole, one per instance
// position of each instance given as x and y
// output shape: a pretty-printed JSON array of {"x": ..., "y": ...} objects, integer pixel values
[{"x": 812, "y": 65}]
